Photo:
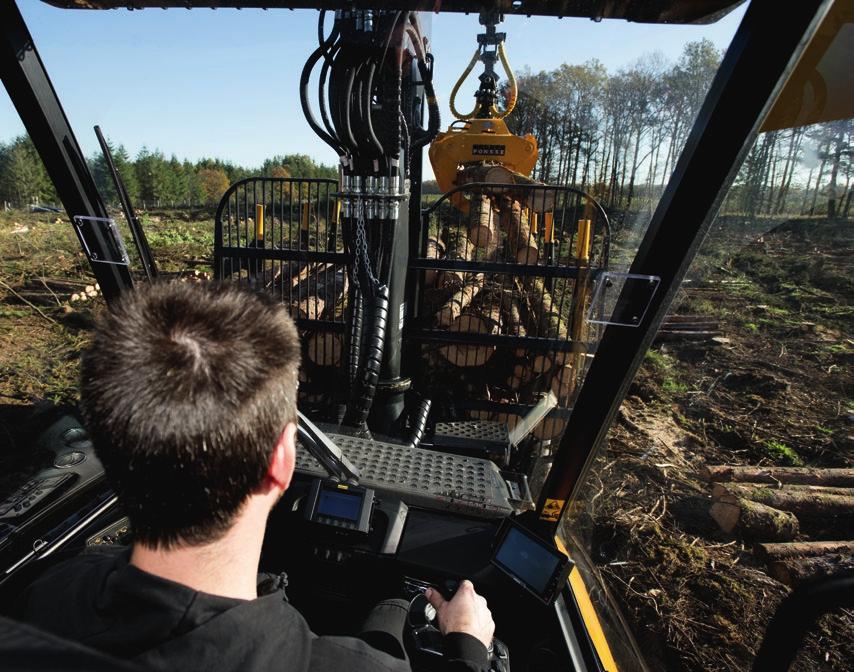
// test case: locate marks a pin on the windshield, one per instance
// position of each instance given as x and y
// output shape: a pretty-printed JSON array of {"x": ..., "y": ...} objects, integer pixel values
[{"x": 687, "y": 521}]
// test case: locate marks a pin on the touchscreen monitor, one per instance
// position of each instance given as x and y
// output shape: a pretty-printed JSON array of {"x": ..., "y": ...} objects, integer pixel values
[{"x": 530, "y": 561}]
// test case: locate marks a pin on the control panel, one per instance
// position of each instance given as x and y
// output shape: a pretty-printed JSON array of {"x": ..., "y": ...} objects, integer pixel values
[
  {"x": 32, "y": 494},
  {"x": 339, "y": 505}
]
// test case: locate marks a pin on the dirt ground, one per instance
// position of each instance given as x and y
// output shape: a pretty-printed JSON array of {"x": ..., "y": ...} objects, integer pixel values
[{"x": 775, "y": 389}]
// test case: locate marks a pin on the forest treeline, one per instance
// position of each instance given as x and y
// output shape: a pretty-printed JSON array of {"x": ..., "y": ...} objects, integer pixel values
[
  {"x": 617, "y": 135},
  {"x": 152, "y": 180}
]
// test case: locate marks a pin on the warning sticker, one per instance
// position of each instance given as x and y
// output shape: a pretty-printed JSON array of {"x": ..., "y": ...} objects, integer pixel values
[{"x": 551, "y": 510}]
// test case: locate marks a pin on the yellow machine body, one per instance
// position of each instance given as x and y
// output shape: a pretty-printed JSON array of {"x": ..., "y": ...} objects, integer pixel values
[{"x": 480, "y": 141}]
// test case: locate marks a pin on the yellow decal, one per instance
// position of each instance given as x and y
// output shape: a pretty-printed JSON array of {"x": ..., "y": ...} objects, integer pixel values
[{"x": 551, "y": 511}]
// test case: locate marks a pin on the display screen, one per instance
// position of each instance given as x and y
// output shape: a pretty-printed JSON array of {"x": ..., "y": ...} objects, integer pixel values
[
  {"x": 339, "y": 504},
  {"x": 527, "y": 560}
]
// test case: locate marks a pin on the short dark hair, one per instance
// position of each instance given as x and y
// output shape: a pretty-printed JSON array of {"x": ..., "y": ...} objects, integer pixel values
[{"x": 185, "y": 389}]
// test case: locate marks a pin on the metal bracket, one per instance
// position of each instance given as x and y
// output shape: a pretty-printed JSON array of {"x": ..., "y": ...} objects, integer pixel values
[{"x": 114, "y": 250}]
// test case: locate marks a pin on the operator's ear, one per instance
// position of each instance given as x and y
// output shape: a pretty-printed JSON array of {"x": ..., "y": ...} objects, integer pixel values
[{"x": 282, "y": 463}]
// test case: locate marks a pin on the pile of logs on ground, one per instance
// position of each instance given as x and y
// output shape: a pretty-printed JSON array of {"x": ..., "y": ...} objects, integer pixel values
[
  {"x": 688, "y": 328},
  {"x": 801, "y": 518},
  {"x": 53, "y": 291}
]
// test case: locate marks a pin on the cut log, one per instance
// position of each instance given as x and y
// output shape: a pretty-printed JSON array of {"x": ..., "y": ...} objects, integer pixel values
[
  {"x": 435, "y": 250},
  {"x": 459, "y": 301},
  {"x": 549, "y": 428},
  {"x": 670, "y": 336},
  {"x": 548, "y": 313},
  {"x": 515, "y": 327},
  {"x": 324, "y": 348},
  {"x": 309, "y": 308},
  {"x": 472, "y": 322},
  {"x": 754, "y": 520},
  {"x": 550, "y": 323},
  {"x": 498, "y": 175},
  {"x": 457, "y": 248},
  {"x": 318, "y": 292},
  {"x": 801, "y": 549},
  {"x": 795, "y": 571},
  {"x": 481, "y": 222},
  {"x": 523, "y": 245},
  {"x": 824, "y": 509},
  {"x": 745, "y": 490},
  {"x": 522, "y": 374},
  {"x": 509, "y": 419},
  {"x": 541, "y": 362},
  {"x": 307, "y": 271},
  {"x": 563, "y": 383},
  {"x": 785, "y": 475}
]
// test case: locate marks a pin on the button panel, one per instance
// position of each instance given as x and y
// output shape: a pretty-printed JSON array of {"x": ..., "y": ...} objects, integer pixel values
[
  {"x": 31, "y": 494},
  {"x": 336, "y": 522}
]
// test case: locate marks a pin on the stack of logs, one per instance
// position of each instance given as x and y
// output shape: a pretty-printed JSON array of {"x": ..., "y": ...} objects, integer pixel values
[
  {"x": 795, "y": 509},
  {"x": 47, "y": 291},
  {"x": 500, "y": 229},
  {"x": 318, "y": 292}
]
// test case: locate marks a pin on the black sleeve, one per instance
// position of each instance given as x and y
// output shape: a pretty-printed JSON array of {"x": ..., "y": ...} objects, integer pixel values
[{"x": 464, "y": 653}]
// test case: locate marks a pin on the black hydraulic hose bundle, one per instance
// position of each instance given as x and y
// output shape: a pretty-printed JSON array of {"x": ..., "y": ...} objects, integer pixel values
[
  {"x": 360, "y": 89},
  {"x": 365, "y": 387},
  {"x": 434, "y": 118}
]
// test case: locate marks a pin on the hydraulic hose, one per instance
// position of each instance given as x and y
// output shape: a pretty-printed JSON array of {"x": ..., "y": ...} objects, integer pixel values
[
  {"x": 434, "y": 115},
  {"x": 306, "y": 108},
  {"x": 355, "y": 335},
  {"x": 321, "y": 90},
  {"x": 369, "y": 124},
  {"x": 365, "y": 387},
  {"x": 342, "y": 69},
  {"x": 418, "y": 422}
]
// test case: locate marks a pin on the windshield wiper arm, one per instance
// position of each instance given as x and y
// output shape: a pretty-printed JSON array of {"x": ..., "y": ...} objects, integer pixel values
[{"x": 322, "y": 448}]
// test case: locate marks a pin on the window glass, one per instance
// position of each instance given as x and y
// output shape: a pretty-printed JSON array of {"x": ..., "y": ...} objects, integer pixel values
[
  {"x": 609, "y": 125},
  {"x": 610, "y": 106},
  {"x": 751, "y": 370}
]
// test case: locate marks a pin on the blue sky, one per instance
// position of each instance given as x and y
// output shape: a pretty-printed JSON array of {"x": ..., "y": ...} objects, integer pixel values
[{"x": 224, "y": 83}]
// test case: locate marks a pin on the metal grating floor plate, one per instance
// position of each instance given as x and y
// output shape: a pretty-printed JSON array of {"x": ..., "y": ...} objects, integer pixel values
[
  {"x": 422, "y": 477},
  {"x": 479, "y": 437}
]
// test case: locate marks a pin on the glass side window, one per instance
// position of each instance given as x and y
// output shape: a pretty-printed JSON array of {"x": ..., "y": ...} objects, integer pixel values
[{"x": 693, "y": 526}]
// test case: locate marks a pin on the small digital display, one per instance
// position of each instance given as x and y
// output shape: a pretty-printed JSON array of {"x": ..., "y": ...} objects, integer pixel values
[
  {"x": 527, "y": 560},
  {"x": 339, "y": 504}
]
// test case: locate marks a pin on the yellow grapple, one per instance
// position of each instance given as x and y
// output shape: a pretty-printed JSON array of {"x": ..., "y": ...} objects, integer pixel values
[{"x": 480, "y": 141}]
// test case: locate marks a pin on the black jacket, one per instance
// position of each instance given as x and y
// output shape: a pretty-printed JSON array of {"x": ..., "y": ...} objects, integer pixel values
[{"x": 102, "y": 601}]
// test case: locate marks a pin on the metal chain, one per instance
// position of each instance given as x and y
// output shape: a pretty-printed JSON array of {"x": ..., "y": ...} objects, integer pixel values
[{"x": 361, "y": 251}]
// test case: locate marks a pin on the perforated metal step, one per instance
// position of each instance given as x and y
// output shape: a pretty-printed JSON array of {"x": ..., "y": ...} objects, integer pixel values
[
  {"x": 477, "y": 438},
  {"x": 422, "y": 477}
]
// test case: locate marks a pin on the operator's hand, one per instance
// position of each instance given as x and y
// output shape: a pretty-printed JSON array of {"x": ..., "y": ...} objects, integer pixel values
[{"x": 465, "y": 612}]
